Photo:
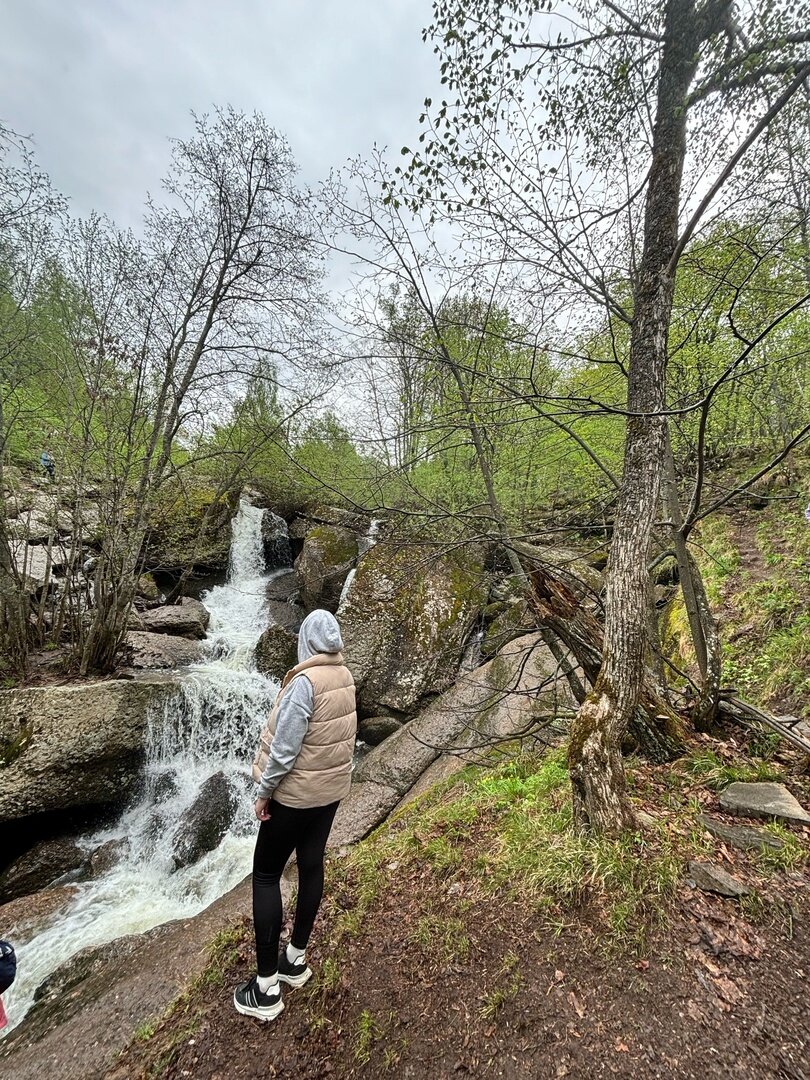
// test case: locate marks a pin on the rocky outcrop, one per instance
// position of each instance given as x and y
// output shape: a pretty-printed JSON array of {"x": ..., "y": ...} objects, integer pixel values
[
  {"x": 144, "y": 651},
  {"x": 24, "y": 918},
  {"x": 40, "y": 867},
  {"x": 45, "y": 521},
  {"x": 205, "y": 822},
  {"x": 405, "y": 622},
  {"x": 276, "y": 541},
  {"x": 510, "y": 695},
  {"x": 66, "y": 746},
  {"x": 276, "y": 652},
  {"x": 95, "y": 1001},
  {"x": 191, "y": 526},
  {"x": 507, "y": 616},
  {"x": 329, "y": 553},
  {"x": 189, "y": 619}
]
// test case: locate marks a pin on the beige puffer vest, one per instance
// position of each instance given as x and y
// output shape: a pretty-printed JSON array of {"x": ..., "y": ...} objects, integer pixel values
[{"x": 322, "y": 772}]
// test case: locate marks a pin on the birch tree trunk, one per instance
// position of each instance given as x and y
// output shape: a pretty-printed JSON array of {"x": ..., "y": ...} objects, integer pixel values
[{"x": 595, "y": 761}]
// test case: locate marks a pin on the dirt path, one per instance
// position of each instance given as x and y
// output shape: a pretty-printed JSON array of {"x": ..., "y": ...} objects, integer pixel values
[{"x": 715, "y": 999}]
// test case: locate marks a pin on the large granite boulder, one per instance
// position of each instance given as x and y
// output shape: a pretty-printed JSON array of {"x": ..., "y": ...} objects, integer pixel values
[
  {"x": 190, "y": 525},
  {"x": 329, "y": 553},
  {"x": 188, "y": 619},
  {"x": 144, "y": 650},
  {"x": 290, "y": 616},
  {"x": 205, "y": 822},
  {"x": 405, "y": 622},
  {"x": 66, "y": 746},
  {"x": 516, "y": 691},
  {"x": 284, "y": 587},
  {"x": 276, "y": 652}
]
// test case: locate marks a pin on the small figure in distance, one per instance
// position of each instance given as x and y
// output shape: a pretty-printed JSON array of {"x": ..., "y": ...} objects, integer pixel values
[{"x": 48, "y": 464}]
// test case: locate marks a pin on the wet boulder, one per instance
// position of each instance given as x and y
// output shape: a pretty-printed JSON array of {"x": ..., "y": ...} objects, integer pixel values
[
  {"x": 108, "y": 855},
  {"x": 406, "y": 621},
  {"x": 376, "y": 729},
  {"x": 206, "y": 821},
  {"x": 275, "y": 541},
  {"x": 75, "y": 745},
  {"x": 329, "y": 553},
  {"x": 144, "y": 650},
  {"x": 284, "y": 587},
  {"x": 163, "y": 786},
  {"x": 276, "y": 652},
  {"x": 22, "y": 919},
  {"x": 188, "y": 619},
  {"x": 290, "y": 616},
  {"x": 41, "y": 866}
]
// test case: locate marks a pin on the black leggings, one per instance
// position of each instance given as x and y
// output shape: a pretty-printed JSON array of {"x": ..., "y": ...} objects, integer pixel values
[{"x": 289, "y": 829}]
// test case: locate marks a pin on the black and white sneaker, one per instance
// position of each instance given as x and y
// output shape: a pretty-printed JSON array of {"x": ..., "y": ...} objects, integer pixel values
[
  {"x": 292, "y": 974},
  {"x": 250, "y": 1001}
]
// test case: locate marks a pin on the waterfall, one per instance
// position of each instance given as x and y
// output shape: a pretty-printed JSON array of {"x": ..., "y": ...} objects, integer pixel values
[
  {"x": 365, "y": 544},
  {"x": 210, "y": 725}
]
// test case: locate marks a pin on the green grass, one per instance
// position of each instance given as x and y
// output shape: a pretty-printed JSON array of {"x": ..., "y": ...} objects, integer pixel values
[
  {"x": 770, "y": 660},
  {"x": 507, "y": 984},
  {"x": 791, "y": 856},
  {"x": 444, "y": 937},
  {"x": 366, "y": 1034},
  {"x": 716, "y": 774},
  {"x": 510, "y": 831}
]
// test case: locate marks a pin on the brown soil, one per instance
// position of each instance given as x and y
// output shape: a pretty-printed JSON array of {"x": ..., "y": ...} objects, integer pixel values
[{"x": 714, "y": 997}]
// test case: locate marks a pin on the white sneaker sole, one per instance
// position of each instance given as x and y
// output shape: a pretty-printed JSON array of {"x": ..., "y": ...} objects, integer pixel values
[
  {"x": 267, "y": 1014},
  {"x": 296, "y": 980}
]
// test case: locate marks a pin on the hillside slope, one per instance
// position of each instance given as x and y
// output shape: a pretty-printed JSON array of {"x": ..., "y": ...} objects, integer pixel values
[{"x": 475, "y": 934}]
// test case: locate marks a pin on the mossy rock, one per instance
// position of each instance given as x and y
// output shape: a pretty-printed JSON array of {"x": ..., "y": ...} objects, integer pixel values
[
  {"x": 329, "y": 553},
  {"x": 406, "y": 621},
  {"x": 190, "y": 527},
  {"x": 276, "y": 651},
  {"x": 504, "y": 621}
]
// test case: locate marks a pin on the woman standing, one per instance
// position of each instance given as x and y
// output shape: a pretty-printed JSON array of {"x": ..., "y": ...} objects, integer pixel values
[{"x": 303, "y": 768}]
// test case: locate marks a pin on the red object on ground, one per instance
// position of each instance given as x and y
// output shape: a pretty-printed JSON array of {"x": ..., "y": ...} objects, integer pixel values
[{"x": 3, "y": 1020}]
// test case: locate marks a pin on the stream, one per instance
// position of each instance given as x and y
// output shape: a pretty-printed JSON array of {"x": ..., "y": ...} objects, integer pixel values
[{"x": 209, "y": 726}]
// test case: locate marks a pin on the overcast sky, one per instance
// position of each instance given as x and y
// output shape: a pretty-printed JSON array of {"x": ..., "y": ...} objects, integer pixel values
[{"x": 102, "y": 84}]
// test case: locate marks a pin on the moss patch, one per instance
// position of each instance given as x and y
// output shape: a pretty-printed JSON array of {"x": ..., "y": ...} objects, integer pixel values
[
  {"x": 13, "y": 749},
  {"x": 335, "y": 546}
]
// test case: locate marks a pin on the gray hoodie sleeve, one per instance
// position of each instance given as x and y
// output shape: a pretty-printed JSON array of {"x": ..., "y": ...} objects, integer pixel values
[{"x": 292, "y": 722}]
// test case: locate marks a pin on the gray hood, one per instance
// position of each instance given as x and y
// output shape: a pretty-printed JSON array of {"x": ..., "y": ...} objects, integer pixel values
[{"x": 319, "y": 633}]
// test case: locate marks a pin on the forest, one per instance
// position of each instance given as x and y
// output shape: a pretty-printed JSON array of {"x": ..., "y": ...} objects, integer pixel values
[{"x": 571, "y": 346}]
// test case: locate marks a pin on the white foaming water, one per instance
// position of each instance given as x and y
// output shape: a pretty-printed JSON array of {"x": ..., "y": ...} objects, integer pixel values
[
  {"x": 365, "y": 545},
  {"x": 210, "y": 725}
]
